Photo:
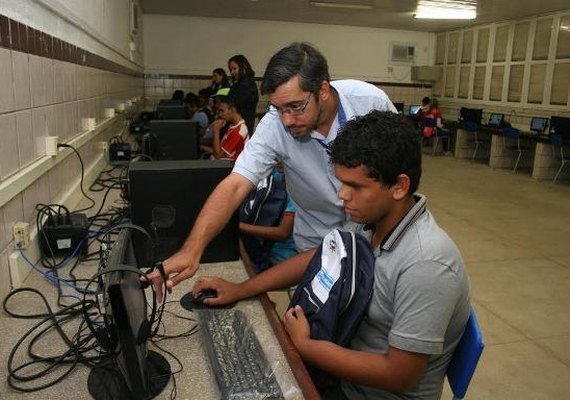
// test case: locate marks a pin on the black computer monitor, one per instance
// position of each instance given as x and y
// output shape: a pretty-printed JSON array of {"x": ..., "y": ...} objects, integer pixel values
[
  {"x": 560, "y": 126},
  {"x": 172, "y": 140},
  {"x": 399, "y": 107},
  {"x": 496, "y": 120},
  {"x": 538, "y": 124},
  {"x": 470, "y": 114},
  {"x": 177, "y": 111},
  {"x": 413, "y": 109},
  {"x": 134, "y": 372},
  {"x": 166, "y": 198},
  {"x": 170, "y": 102}
]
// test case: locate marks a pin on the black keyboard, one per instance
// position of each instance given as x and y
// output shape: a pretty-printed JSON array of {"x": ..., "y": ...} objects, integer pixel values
[{"x": 240, "y": 366}]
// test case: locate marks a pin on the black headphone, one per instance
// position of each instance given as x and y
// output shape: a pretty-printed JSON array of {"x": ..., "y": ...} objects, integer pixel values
[{"x": 106, "y": 336}]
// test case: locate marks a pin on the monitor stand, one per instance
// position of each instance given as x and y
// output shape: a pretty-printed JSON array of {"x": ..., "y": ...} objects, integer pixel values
[{"x": 106, "y": 382}]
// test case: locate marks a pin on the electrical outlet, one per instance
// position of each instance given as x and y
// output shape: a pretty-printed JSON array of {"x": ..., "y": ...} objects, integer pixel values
[
  {"x": 21, "y": 231},
  {"x": 104, "y": 146}
]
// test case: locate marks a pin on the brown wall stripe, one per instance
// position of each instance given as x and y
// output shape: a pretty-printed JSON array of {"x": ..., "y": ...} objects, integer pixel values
[{"x": 17, "y": 36}]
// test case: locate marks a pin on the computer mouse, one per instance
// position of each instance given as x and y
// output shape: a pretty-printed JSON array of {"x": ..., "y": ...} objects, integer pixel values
[{"x": 205, "y": 294}]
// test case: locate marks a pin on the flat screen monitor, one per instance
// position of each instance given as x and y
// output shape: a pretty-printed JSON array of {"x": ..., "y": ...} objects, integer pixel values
[
  {"x": 413, "y": 109},
  {"x": 177, "y": 111},
  {"x": 560, "y": 126},
  {"x": 134, "y": 372},
  {"x": 496, "y": 120},
  {"x": 538, "y": 124},
  {"x": 166, "y": 198},
  {"x": 471, "y": 114},
  {"x": 172, "y": 140},
  {"x": 399, "y": 107}
]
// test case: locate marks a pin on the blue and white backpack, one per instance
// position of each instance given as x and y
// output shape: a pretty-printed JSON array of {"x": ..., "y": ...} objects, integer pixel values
[{"x": 335, "y": 291}]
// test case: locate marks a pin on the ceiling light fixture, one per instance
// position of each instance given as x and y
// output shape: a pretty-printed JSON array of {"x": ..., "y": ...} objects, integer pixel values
[
  {"x": 446, "y": 9},
  {"x": 352, "y": 6}
]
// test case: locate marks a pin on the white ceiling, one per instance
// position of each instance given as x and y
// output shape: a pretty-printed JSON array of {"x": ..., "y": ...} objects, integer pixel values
[{"x": 391, "y": 14}]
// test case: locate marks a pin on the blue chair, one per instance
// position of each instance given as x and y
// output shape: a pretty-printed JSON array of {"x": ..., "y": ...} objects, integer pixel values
[
  {"x": 471, "y": 128},
  {"x": 512, "y": 140},
  {"x": 557, "y": 142},
  {"x": 439, "y": 133},
  {"x": 465, "y": 358}
]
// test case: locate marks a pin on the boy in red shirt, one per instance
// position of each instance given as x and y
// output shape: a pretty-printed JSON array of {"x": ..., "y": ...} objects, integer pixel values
[{"x": 231, "y": 145}]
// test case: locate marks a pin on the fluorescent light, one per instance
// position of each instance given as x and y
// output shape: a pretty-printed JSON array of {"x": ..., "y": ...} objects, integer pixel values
[
  {"x": 445, "y": 9},
  {"x": 351, "y": 6}
]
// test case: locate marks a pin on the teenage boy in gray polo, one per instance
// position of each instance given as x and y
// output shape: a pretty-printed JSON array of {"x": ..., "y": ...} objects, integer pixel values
[{"x": 420, "y": 302}]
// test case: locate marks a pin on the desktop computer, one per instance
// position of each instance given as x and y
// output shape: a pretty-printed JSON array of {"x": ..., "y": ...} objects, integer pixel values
[
  {"x": 172, "y": 140},
  {"x": 538, "y": 125},
  {"x": 165, "y": 199},
  {"x": 176, "y": 111}
]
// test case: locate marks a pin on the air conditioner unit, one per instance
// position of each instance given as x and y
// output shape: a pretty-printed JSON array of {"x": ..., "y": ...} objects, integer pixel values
[
  {"x": 426, "y": 73},
  {"x": 403, "y": 53}
]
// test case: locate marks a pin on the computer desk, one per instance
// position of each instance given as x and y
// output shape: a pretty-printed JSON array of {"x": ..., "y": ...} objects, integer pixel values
[
  {"x": 539, "y": 160},
  {"x": 195, "y": 381}
]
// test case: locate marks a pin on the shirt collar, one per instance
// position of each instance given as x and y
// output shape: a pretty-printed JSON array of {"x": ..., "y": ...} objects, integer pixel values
[{"x": 392, "y": 238}]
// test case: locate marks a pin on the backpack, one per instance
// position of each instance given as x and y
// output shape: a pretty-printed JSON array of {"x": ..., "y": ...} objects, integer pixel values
[
  {"x": 264, "y": 206},
  {"x": 335, "y": 291}
]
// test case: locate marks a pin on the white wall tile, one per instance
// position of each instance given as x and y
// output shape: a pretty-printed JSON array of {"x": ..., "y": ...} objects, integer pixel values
[
  {"x": 36, "y": 193},
  {"x": 12, "y": 213},
  {"x": 5, "y": 281},
  {"x": 37, "y": 88},
  {"x": 26, "y": 145},
  {"x": 6, "y": 81},
  {"x": 59, "y": 81},
  {"x": 69, "y": 80},
  {"x": 3, "y": 237},
  {"x": 21, "y": 68},
  {"x": 48, "y": 78},
  {"x": 60, "y": 128},
  {"x": 39, "y": 130},
  {"x": 9, "y": 162}
]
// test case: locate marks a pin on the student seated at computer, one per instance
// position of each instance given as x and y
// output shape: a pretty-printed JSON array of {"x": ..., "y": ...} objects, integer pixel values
[
  {"x": 195, "y": 113},
  {"x": 420, "y": 302},
  {"x": 178, "y": 94},
  {"x": 269, "y": 240},
  {"x": 232, "y": 143}
]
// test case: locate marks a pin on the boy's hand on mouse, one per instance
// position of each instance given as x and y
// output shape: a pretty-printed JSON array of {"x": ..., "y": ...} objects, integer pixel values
[{"x": 227, "y": 292}]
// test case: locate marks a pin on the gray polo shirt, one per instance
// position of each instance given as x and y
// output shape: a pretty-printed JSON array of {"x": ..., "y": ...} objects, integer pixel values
[
  {"x": 311, "y": 182},
  {"x": 420, "y": 302}
]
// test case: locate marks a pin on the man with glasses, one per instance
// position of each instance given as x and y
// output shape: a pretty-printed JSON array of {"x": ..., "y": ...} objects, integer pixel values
[{"x": 306, "y": 110}]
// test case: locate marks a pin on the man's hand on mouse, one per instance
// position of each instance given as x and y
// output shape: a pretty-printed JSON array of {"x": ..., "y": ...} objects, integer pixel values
[{"x": 227, "y": 292}]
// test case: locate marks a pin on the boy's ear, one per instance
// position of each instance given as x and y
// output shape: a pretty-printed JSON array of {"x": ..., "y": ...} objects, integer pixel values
[{"x": 402, "y": 187}]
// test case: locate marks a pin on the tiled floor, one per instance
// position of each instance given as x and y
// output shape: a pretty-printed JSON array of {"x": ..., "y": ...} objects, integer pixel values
[{"x": 514, "y": 234}]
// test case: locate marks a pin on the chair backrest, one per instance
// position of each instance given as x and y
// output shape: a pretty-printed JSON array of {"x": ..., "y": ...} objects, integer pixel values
[
  {"x": 429, "y": 122},
  {"x": 511, "y": 133},
  {"x": 556, "y": 140},
  {"x": 465, "y": 358},
  {"x": 470, "y": 126}
]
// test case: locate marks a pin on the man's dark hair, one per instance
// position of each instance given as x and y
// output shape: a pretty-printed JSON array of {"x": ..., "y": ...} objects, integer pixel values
[
  {"x": 245, "y": 70},
  {"x": 383, "y": 143},
  {"x": 192, "y": 99},
  {"x": 229, "y": 100},
  {"x": 296, "y": 59},
  {"x": 178, "y": 95}
]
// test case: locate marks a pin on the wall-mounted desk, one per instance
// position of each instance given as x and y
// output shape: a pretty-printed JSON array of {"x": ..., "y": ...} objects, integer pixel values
[{"x": 539, "y": 159}]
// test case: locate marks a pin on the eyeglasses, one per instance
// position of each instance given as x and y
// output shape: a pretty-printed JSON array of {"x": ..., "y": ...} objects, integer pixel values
[{"x": 293, "y": 109}]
